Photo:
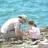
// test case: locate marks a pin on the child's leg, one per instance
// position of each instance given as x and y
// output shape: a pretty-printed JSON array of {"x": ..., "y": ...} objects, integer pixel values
[
  {"x": 19, "y": 35},
  {"x": 34, "y": 41}
]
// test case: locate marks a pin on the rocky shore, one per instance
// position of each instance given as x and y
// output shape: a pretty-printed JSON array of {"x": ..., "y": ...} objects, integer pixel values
[{"x": 26, "y": 42}]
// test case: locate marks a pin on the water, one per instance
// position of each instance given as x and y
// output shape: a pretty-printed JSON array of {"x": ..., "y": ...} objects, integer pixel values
[{"x": 36, "y": 10}]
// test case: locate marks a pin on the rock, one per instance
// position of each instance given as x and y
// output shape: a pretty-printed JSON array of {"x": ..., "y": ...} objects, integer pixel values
[
  {"x": 44, "y": 45},
  {"x": 2, "y": 40},
  {"x": 44, "y": 30},
  {"x": 7, "y": 36},
  {"x": 17, "y": 42}
]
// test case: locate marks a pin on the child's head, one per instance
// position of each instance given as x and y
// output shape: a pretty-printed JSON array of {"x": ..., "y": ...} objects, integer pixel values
[{"x": 32, "y": 23}]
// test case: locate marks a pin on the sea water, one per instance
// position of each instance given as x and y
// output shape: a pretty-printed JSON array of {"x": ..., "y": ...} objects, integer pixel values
[{"x": 36, "y": 10}]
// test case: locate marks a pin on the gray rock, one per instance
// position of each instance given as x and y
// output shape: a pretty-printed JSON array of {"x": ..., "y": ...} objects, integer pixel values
[{"x": 43, "y": 45}]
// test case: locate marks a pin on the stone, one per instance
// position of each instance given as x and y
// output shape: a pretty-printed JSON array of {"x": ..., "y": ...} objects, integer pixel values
[{"x": 43, "y": 44}]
